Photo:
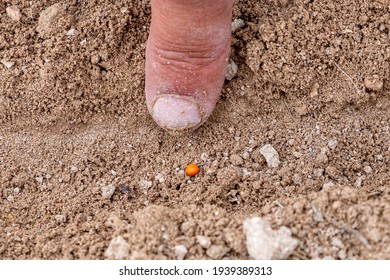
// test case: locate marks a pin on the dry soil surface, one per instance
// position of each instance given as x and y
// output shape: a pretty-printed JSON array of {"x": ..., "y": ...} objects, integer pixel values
[{"x": 82, "y": 163}]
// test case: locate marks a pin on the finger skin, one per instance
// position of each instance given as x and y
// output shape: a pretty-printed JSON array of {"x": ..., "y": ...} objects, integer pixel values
[{"x": 186, "y": 58}]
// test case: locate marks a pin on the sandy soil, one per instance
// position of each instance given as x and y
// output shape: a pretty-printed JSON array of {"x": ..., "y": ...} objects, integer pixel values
[{"x": 312, "y": 81}]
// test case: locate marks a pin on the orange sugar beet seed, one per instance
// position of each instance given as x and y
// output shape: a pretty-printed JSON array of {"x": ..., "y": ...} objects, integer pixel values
[{"x": 192, "y": 169}]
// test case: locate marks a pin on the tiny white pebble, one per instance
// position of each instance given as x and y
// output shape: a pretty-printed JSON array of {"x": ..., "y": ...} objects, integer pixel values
[
  {"x": 367, "y": 169},
  {"x": 39, "y": 179},
  {"x": 7, "y": 64},
  {"x": 60, "y": 219},
  {"x": 108, "y": 191},
  {"x": 14, "y": 13},
  {"x": 72, "y": 32},
  {"x": 160, "y": 178},
  {"x": 328, "y": 186},
  {"x": 203, "y": 241},
  {"x": 270, "y": 155},
  {"x": 74, "y": 169},
  {"x": 180, "y": 252},
  {"x": 237, "y": 24},
  {"x": 10, "y": 198},
  {"x": 332, "y": 144}
]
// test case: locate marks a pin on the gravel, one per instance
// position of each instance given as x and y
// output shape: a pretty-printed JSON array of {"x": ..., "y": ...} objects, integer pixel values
[
  {"x": 117, "y": 249},
  {"x": 108, "y": 191},
  {"x": 263, "y": 243},
  {"x": 203, "y": 241},
  {"x": 14, "y": 13},
  {"x": 270, "y": 155},
  {"x": 180, "y": 252},
  {"x": 217, "y": 252}
]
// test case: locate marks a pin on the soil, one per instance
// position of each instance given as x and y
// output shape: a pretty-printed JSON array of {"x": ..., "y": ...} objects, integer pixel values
[{"x": 82, "y": 162}]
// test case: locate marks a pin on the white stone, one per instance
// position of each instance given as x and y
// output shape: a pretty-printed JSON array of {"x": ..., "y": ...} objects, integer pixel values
[
  {"x": 117, "y": 249},
  {"x": 359, "y": 181},
  {"x": 203, "y": 241},
  {"x": 180, "y": 252},
  {"x": 10, "y": 198},
  {"x": 231, "y": 70},
  {"x": 14, "y": 13},
  {"x": 217, "y": 252},
  {"x": 328, "y": 186},
  {"x": 108, "y": 191},
  {"x": 39, "y": 179},
  {"x": 270, "y": 155},
  {"x": 160, "y": 178},
  {"x": 236, "y": 24},
  {"x": 72, "y": 32},
  {"x": 145, "y": 185},
  {"x": 7, "y": 64},
  {"x": 332, "y": 144},
  {"x": 263, "y": 243},
  {"x": 367, "y": 169},
  {"x": 48, "y": 18},
  {"x": 74, "y": 169},
  {"x": 60, "y": 219}
]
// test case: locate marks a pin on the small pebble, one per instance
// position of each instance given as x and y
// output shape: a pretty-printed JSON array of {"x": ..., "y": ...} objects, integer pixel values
[
  {"x": 236, "y": 160},
  {"x": 16, "y": 190},
  {"x": 332, "y": 144},
  {"x": 108, "y": 191},
  {"x": 297, "y": 179},
  {"x": 359, "y": 181},
  {"x": 373, "y": 82},
  {"x": 245, "y": 155},
  {"x": 321, "y": 158},
  {"x": 160, "y": 178},
  {"x": 328, "y": 186},
  {"x": 14, "y": 13},
  {"x": 74, "y": 169},
  {"x": 203, "y": 241},
  {"x": 270, "y": 155},
  {"x": 7, "y": 64},
  {"x": 237, "y": 24},
  {"x": 290, "y": 141},
  {"x": 118, "y": 249},
  {"x": 264, "y": 243},
  {"x": 72, "y": 32},
  {"x": 48, "y": 18},
  {"x": 60, "y": 219},
  {"x": 95, "y": 59},
  {"x": 231, "y": 70},
  {"x": 318, "y": 217},
  {"x": 297, "y": 154},
  {"x": 39, "y": 179},
  {"x": 217, "y": 252},
  {"x": 337, "y": 242},
  {"x": 10, "y": 198},
  {"x": 367, "y": 169},
  {"x": 145, "y": 185},
  {"x": 180, "y": 252}
]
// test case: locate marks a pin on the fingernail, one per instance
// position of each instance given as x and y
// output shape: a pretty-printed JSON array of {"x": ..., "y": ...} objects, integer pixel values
[{"x": 176, "y": 113}]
